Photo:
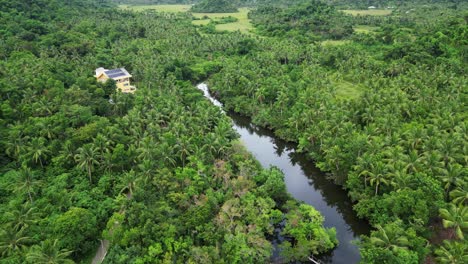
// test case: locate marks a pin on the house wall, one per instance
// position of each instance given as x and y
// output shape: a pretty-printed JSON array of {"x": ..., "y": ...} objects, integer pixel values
[
  {"x": 123, "y": 83},
  {"x": 124, "y": 86},
  {"x": 102, "y": 78}
]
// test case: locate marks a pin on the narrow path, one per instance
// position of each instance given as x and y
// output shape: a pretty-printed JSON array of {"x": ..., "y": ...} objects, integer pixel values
[{"x": 101, "y": 251}]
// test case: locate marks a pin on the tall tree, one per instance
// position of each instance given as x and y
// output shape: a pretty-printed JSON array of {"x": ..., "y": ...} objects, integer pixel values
[
  {"x": 452, "y": 252},
  {"x": 460, "y": 194},
  {"x": 377, "y": 175},
  {"x": 451, "y": 176},
  {"x": 388, "y": 239},
  {"x": 23, "y": 217},
  {"x": 12, "y": 241},
  {"x": 26, "y": 182},
  {"x": 38, "y": 150},
  {"x": 455, "y": 218},
  {"x": 48, "y": 252},
  {"x": 87, "y": 158}
]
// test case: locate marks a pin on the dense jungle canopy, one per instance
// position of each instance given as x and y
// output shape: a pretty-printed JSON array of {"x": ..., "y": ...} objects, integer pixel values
[{"x": 377, "y": 101}]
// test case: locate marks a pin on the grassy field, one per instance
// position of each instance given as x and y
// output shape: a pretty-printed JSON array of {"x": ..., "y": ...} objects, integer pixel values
[
  {"x": 201, "y": 22},
  {"x": 365, "y": 29},
  {"x": 243, "y": 24},
  {"x": 330, "y": 42},
  {"x": 371, "y": 12},
  {"x": 244, "y": 28},
  {"x": 359, "y": 29}
]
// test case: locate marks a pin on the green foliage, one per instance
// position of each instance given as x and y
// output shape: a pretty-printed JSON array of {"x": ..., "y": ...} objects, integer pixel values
[
  {"x": 75, "y": 229},
  {"x": 204, "y": 69},
  {"x": 392, "y": 244},
  {"x": 159, "y": 172},
  {"x": 455, "y": 218},
  {"x": 214, "y": 6},
  {"x": 156, "y": 173},
  {"x": 308, "y": 21},
  {"x": 398, "y": 146},
  {"x": 48, "y": 252},
  {"x": 308, "y": 237},
  {"x": 452, "y": 252},
  {"x": 272, "y": 184}
]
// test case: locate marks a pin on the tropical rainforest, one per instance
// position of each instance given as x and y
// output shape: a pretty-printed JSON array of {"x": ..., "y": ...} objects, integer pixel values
[{"x": 377, "y": 102}]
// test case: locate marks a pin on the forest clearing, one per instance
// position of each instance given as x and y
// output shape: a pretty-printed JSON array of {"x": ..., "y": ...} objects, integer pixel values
[
  {"x": 242, "y": 24},
  {"x": 370, "y": 12}
]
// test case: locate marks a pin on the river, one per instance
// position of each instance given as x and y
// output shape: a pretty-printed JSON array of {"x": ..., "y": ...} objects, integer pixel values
[{"x": 305, "y": 183}]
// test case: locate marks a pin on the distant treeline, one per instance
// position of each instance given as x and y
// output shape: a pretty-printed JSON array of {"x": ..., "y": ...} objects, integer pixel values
[
  {"x": 313, "y": 20},
  {"x": 381, "y": 4},
  {"x": 153, "y": 2},
  {"x": 214, "y": 6},
  {"x": 350, "y": 4}
]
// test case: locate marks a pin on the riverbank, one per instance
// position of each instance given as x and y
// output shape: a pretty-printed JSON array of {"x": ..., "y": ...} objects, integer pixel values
[{"x": 305, "y": 183}]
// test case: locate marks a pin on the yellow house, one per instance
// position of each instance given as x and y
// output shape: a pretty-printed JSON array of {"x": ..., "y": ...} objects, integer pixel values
[{"x": 120, "y": 76}]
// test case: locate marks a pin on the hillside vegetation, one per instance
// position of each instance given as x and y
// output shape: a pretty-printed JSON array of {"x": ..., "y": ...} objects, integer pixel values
[
  {"x": 311, "y": 20},
  {"x": 214, "y": 6}
]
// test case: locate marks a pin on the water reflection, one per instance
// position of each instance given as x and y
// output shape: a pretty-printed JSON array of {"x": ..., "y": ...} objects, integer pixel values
[{"x": 306, "y": 183}]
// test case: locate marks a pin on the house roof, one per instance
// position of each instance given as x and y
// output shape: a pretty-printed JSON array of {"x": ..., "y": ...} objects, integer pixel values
[{"x": 115, "y": 74}]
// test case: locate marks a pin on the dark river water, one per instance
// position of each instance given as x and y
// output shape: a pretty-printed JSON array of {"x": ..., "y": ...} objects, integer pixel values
[{"x": 305, "y": 183}]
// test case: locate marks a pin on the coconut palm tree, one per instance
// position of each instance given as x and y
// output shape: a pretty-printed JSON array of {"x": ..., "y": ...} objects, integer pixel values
[
  {"x": 146, "y": 150},
  {"x": 87, "y": 159},
  {"x": 334, "y": 157},
  {"x": 387, "y": 239},
  {"x": 22, "y": 217},
  {"x": 451, "y": 176},
  {"x": 401, "y": 180},
  {"x": 377, "y": 176},
  {"x": 165, "y": 154},
  {"x": 46, "y": 129},
  {"x": 129, "y": 179},
  {"x": 48, "y": 252},
  {"x": 16, "y": 143},
  {"x": 448, "y": 147},
  {"x": 183, "y": 148},
  {"x": 433, "y": 161},
  {"x": 26, "y": 182},
  {"x": 38, "y": 150},
  {"x": 147, "y": 169},
  {"x": 44, "y": 108},
  {"x": 107, "y": 163},
  {"x": 363, "y": 166},
  {"x": 101, "y": 143},
  {"x": 12, "y": 241},
  {"x": 68, "y": 152},
  {"x": 460, "y": 194},
  {"x": 455, "y": 218},
  {"x": 413, "y": 161},
  {"x": 452, "y": 253}
]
